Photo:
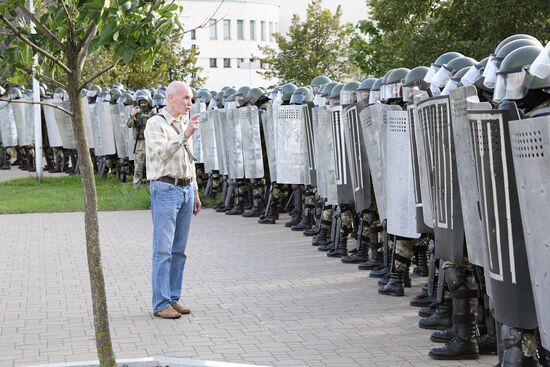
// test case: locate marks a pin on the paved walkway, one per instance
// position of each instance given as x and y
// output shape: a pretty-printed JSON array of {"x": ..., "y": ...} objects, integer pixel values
[{"x": 260, "y": 294}]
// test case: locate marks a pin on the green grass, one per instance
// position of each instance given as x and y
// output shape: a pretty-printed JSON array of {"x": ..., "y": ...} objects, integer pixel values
[{"x": 65, "y": 194}]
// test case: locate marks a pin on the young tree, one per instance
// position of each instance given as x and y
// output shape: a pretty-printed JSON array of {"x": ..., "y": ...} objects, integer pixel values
[
  {"x": 67, "y": 31},
  {"x": 316, "y": 46}
]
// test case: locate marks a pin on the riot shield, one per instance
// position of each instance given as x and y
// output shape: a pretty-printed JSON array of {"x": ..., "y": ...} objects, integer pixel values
[
  {"x": 422, "y": 134},
  {"x": 357, "y": 158},
  {"x": 530, "y": 140},
  {"x": 374, "y": 126},
  {"x": 289, "y": 145},
  {"x": 269, "y": 134},
  {"x": 87, "y": 117},
  {"x": 8, "y": 130},
  {"x": 448, "y": 224},
  {"x": 23, "y": 114},
  {"x": 197, "y": 141},
  {"x": 54, "y": 136},
  {"x": 233, "y": 144},
  {"x": 500, "y": 212},
  {"x": 324, "y": 147},
  {"x": 421, "y": 225},
  {"x": 127, "y": 132},
  {"x": 65, "y": 125},
  {"x": 401, "y": 206},
  {"x": 344, "y": 188},
  {"x": 311, "y": 178},
  {"x": 104, "y": 138},
  {"x": 249, "y": 119},
  {"x": 218, "y": 119},
  {"x": 466, "y": 171},
  {"x": 208, "y": 140},
  {"x": 118, "y": 126}
]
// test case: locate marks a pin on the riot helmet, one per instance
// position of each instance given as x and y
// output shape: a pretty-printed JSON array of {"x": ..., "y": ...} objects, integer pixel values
[
  {"x": 348, "y": 94},
  {"x": 162, "y": 90},
  {"x": 447, "y": 70},
  {"x": 144, "y": 100},
  {"x": 382, "y": 86},
  {"x": 60, "y": 94},
  {"x": 204, "y": 96},
  {"x": 513, "y": 78},
  {"x": 495, "y": 60},
  {"x": 455, "y": 81},
  {"x": 318, "y": 82},
  {"x": 363, "y": 91},
  {"x": 541, "y": 66},
  {"x": 219, "y": 100},
  {"x": 159, "y": 100},
  {"x": 301, "y": 95},
  {"x": 335, "y": 94},
  {"x": 126, "y": 99},
  {"x": 227, "y": 93},
  {"x": 474, "y": 73},
  {"x": 93, "y": 91},
  {"x": 375, "y": 92},
  {"x": 438, "y": 63},
  {"x": 325, "y": 93},
  {"x": 16, "y": 93},
  {"x": 257, "y": 96},
  {"x": 242, "y": 96},
  {"x": 414, "y": 80},
  {"x": 394, "y": 84},
  {"x": 118, "y": 86},
  {"x": 286, "y": 91},
  {"x": 116, "y": 93}
]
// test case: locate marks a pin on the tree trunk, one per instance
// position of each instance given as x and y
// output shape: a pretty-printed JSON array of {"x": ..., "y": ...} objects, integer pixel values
[{"x": 99, "y": 300}]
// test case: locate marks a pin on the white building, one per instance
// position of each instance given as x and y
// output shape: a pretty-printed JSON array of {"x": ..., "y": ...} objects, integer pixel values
[{"x": 229, "y": 38}]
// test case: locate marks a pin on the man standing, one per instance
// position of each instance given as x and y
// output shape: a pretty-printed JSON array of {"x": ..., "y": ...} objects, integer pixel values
[
  {"x": 138, "y": 120},
  {"x": 174, "y": 196}
]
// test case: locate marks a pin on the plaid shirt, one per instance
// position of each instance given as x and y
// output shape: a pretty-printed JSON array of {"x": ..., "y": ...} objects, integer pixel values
[{"x": 165, "y": 149}]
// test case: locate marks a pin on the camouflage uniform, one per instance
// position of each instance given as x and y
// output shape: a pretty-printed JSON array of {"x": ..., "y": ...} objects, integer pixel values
[{"x": 138, "y": 122}]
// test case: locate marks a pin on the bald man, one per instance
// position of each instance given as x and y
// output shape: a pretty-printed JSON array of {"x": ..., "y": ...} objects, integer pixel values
[{"x": 174, "y": 196}]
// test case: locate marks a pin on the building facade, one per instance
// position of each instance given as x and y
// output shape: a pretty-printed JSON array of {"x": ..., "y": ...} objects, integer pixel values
[{"x": 227, "y": 35}]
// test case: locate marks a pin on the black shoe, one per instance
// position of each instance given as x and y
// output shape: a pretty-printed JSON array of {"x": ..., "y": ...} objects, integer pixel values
[
  {"x": 237, "y": 210},
  {"x": 394, "y": 286},
  {"x": 487, "y": 345},
  {"x": 422, "y": 300},
  {"x": 440, "y": 320},
  {"x": 320, "y": 238},
  {"x": 442, "y": 336},
  {"x": 311, "y": 232},
  {"x": 370, "y": 264},
  {"x": 379, "y": 273},
  {"x": 427, "y": 311},
  {"x": 254, "y": 212},
  {"x": 457, "y": 349},
  {"x": 294, "y": 221},
  {"x": 355, "y": 257},
  {"x": 222, "y": 209},
  {"x": 327, "y": 246}
]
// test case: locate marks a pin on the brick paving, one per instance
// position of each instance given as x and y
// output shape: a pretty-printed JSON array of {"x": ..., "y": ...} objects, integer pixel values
[{"x": 260, "y": 294}]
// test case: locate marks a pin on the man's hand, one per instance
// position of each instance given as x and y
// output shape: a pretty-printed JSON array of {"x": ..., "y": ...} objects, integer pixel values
[
  {"x": 134, "y": 112},
  {"x": 198, "y": 205},
  {"x": 192, "y": 126}
]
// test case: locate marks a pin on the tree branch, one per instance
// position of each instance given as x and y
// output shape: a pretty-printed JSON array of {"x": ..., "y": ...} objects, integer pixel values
[
  {"x": 35, "y": 47},
  {"x": 206, "y": 20},
  {"x": 41, "y": 103},
  {"x": 85, "y": 43},
  {"x": 52, "y": 80},
  {"x": 42, "y": 28},
  {"x": 96, "y": 75}
]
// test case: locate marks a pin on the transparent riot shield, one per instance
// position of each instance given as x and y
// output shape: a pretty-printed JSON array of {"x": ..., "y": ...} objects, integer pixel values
[
  {"x": 118, "y": 126},
  {"x": 269, "y": 133},
  {"x": 65, "y": 125},
  {"x": 233, "y": 144},
  {"x": 23, "y": 115},
  {"x": 8, "y": 130},
  {"x": 344, "y": 188},
  {"x": 208, "y": 140},
  {"x": 87, "y": 117},
  {"x": 249, "y": 119},
  {"x": 324, "y": 150},
  {"x": 102, "y": 126},
  {"x": 218, "y": 118}
]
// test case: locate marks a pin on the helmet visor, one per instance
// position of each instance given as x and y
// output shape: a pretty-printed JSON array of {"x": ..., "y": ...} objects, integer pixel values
[
  {"x": 513, "y": 86},
  {"x": 541, "y": 66},
  {"x": 435, "y": 90},
  {"x": 442, "y": 77},
  {"x": 121, "y": 100},
  {"x": 451, "y": 84},
  {"x": 325, "y": 101},
  {"x": 393, "y": 91},
  {"x": 91, "y": 93},
  {"x": 490, "y": 72},
  {"x": 57, "y": 97},
  {"x": 364, "y": 95},
  {"x": 212, "y": 105},
  {"x": 297, "y": 98},
  {"x": 317, "y": 100},
  {"x": 347, "y": 97},
  {"x": 471, "y": 76},
  {"x": 159, "y": 102},
  {"x": 407, "y": 93},
  {"x": 431, "y": 72},
  {"x": 374, "y": 96},
  {"x": 315, "y": 88}
]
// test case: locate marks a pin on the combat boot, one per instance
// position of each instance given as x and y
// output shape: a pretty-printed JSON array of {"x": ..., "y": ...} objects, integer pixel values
[
  {"x": 254, "y": 212},
  {"x": 236, "y": 210},
  {"x": 305, "y": 223},
  {"x": 428, "y": 310},
  {"x": 464, "y": 343},
  {"x": 422, "y": 299},
  {"x": 322, "y": 237},
  {"x": 313, "y": 230},
  {"x": 341, "y": 249},
  {"x": 361, "y": 251},
  {"x": 422, "y": 262},
  {"x": 272, "y": 214},
  {"x": 441, "y": 319},
  {"x": 487, "y": 345},
  {"x": 380, "y": 272},
  {"x": 443, "y": 336},
  {"x": 394, "y": 286}
]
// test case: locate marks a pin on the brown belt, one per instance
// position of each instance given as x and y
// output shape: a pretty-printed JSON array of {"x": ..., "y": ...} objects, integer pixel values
[{"x": 181, "y": 182}]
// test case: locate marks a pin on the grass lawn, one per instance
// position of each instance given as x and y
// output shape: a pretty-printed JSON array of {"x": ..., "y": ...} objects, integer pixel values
[{"x": 65, "y": 194}]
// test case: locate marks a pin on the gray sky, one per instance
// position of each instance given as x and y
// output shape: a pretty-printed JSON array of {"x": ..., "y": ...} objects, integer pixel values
[{"x": 352, "y": 10}]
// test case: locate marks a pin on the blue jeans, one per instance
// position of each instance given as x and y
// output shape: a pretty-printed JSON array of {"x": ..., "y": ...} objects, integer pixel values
[{"x": 171, "y": 209}]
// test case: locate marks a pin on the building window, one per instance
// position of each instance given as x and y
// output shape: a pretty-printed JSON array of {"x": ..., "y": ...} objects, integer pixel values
[
  {"x": 262, "y": 30},
  {"x": 239, "y": 62},
  {"x": 213, "y": 63},
  {"x": 226, "y": 29},
  {"x": 240, "y": 29},
  {"x": 270, "y": 31},
  {"x": 213, "y": 29},
  {"x": 253, "y": 30},
  {"x": 193, "y": 34},
  {"x": 226, "y": 63}
]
